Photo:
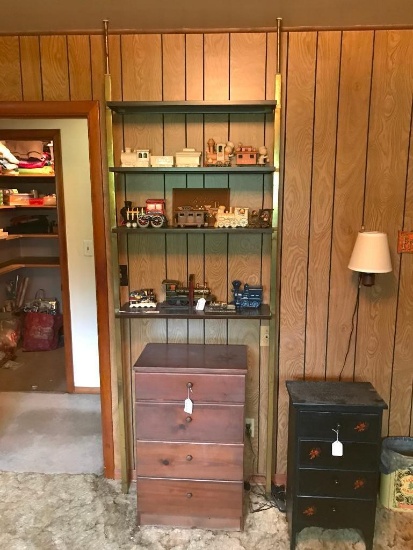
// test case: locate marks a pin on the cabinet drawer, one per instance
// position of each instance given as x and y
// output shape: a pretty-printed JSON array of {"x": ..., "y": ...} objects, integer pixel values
[
  {"x": 190, "y": 498},
  {"x": 356, "y": 456},
  {"x": 338, "y": 483},
  {"x": 335, "y": 513},
  {"x": 206, "y": 388},
  {"x": 208, "y": 423},
  {"x": 189, "y": 460},
  {"x": 361, "y": 426}
]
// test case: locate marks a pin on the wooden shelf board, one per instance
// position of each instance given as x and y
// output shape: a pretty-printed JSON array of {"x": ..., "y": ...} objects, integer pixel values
[
  {"x": 187, "y": 107},
  {"x": 18, "y": 206},
  {"x": 253, "y": 169},
  {"x": 31, "y": 236},
  {"x": 263, "y": 312},
  {"x": 19, "y": 263},
  {"x": 27, "y": 176},
  {"x": 155, "y": 231}
]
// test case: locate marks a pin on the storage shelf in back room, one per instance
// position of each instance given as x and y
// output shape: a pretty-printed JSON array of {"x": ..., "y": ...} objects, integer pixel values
[{"x": 263, "y": 312}]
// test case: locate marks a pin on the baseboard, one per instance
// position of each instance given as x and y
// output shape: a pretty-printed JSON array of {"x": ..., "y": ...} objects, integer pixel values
[{"x": 80, "y": 389}]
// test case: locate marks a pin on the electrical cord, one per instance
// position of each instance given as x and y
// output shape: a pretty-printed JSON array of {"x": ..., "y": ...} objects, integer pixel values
[
  {"x": 356, "y": 305},
  {"x": 265, "y": 502}
]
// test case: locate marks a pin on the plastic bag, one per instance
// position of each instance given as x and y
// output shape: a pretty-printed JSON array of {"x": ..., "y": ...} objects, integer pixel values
[
  {"x": 41, "y": 331},
  {"x": 396, "y": 454}
]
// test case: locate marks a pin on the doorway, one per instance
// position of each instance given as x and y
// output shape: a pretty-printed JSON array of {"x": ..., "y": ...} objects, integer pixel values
[
  {"x": 35, "y": 320},
  {"x": 88, "y": 111}
]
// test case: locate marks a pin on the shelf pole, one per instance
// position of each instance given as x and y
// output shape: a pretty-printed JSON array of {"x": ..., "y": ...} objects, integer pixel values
[
  {"x": 274, "y": 274},
  {"x": 116, "y": 352}
]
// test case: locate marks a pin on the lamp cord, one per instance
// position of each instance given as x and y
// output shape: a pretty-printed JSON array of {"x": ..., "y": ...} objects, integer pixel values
[{"x": 352, "y": 327}]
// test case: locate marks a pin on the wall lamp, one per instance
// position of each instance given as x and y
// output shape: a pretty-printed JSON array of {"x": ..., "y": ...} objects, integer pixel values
[{"x": 370, "y": 255}]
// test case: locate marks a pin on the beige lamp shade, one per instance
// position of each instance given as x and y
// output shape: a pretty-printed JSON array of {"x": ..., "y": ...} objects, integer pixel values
[{"x": 371, "y": 253}]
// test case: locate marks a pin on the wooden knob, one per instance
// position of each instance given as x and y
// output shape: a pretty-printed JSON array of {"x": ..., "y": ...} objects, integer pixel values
[
  {"x": 333, "y": 509},
  {"x": 188, "y": 419},
  {"x": 336, "y": 481},
  {"x": 188, "y": 495},
  {"x": 189, "y": 385},
  {"x": 189, "y": 458},
  {"x": 165, "y": 462}
]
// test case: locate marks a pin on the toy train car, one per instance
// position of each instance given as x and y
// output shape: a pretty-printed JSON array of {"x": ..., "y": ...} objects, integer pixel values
[
  {"x": 152, "y": 214},
  {"x": 249, "y": 297},
  {"x": 178, "y": 295},
  {"x": 187, "y": 217},
  {"x": 144, "y": 297}
]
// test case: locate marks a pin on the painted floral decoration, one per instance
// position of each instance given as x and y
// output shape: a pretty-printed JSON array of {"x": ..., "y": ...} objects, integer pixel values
[
  {"x": 361, "y": 427},
  {"x": 315, "y": 453}
]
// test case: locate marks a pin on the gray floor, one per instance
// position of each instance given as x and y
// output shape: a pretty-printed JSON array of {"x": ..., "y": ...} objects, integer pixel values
[{"x": 50, "y": 433}]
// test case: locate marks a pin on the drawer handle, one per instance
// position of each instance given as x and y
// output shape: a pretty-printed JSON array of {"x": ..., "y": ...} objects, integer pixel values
[
  {"x": 189, "y": 458},
  {"x": 336, "y": 481},
  {"x": 188, "y": 419},
  {"x": 189, "y": 385},
  {"x": 334, "y": 509},
  {"x": 188, "y": 495},
  {"x": 165, "y": 462}
]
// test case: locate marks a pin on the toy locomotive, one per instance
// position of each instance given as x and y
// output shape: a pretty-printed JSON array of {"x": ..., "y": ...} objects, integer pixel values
[
  {"x": 142, "y": 298},
  {"x": 152, "y": 214},
  {"x": 249, "y": 297},
  {"x": 178, "y": 295}
]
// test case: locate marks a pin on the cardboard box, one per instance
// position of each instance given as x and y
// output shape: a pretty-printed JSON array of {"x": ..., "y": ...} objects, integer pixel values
[{"x": 396, "y": 490}]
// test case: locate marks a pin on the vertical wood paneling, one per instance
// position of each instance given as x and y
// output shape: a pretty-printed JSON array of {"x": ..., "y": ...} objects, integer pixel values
[
  {"x": 216, "y": 66},
  {"x": 388, "y": 149},
  {"x": 401, "y": 398},
  {"x": 10, "y": 70},
  {"x": 173, "y": 67},
  {"x": 54, "y": 64},
  {"x": 141, "y": 67},
  {"x": 194, "y": 44},
  {"x": 30, "y": 68},
  {"x": 298, "y": 151},
  {"x": 331, "y": 180},
  {"x": 352, "y": 133},
  {"x": 247, "y": 57},
  {"x": 322, "y": 193},
  {"x": 80, "y": 67}
]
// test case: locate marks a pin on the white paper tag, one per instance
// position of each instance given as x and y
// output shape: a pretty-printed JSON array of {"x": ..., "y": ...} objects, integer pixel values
[
  {"x": 188, "y": 406},
  {"x": 200, "y": 305},
  {"x": 337, "y": 448}
]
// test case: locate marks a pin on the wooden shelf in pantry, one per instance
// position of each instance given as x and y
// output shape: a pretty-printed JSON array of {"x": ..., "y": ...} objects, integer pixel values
[
  {"x": 253, "y": 169},
  {"x": 207, "y": 230},
  {"x": 19, "y": 263}
]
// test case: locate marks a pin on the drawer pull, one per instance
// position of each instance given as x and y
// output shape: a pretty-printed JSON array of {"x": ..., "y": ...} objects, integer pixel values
[
  {"x": 188, "y": 495},
  {"x": 334, "y": 509},
  {"x": 336, "y": 481},
  {"x": 189, "y": 458},
  {"x": 188, "y": 419},
  {"x": 165, "y": 462},
  {"x": 189, "y": 385}
]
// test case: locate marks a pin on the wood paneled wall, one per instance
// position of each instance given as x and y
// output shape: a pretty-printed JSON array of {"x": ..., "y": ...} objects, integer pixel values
[{"x": 347, "y": 162}]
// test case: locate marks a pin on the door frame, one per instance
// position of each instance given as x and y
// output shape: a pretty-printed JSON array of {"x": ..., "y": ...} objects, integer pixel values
[{"x": 91, "y": 111}]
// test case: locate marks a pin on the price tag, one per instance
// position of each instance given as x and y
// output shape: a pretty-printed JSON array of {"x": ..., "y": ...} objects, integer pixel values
[
  {"x": 188, "y": 406},
  {"x": 336, "y": 446}
]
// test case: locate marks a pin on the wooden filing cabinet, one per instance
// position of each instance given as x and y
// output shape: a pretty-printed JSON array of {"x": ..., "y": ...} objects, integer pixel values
[
  {"x": 189, "y": 467},
  {"x": 333, "y": 491}
]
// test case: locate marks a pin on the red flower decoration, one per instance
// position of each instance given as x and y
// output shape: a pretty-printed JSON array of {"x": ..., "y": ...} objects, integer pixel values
[
  {"x": 361, "y": 427},
  {"x": 359, "y": 483},
  {"x": 310, "y": 511},
  {"x": 315, "y": 453}
]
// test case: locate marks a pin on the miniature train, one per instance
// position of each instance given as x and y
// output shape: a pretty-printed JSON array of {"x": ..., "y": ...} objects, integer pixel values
[
  {"x": 249, "y": 297},
  {"x": 153, "y": 214},
  {"x": 144, "y": 297},
  {"x": 233, "y": 217},
  {"x": 177, "y": 295}
]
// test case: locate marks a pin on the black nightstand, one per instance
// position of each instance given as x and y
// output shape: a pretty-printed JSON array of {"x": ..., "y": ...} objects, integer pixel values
[{"x": 334, "y": 492}]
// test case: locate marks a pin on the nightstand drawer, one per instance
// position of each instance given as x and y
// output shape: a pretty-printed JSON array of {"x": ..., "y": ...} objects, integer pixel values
[
  {"x": 335, "y": 513},
  {"x": 190, "y": 498},
  {"x": 361, "y": 426},
  {"x": 189, "y": 460},
  {"x": 356, "y": 456},
  {"x": 206, "y": 388},
  {"x": 346, "y": 484},
  {"x": 208, "y": 423}
]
